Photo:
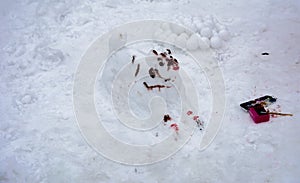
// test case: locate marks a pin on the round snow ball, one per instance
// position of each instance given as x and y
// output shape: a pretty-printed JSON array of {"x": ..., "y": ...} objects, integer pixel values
[
  {"x": 192, "y": 42},
  {"x": 219, "y": 26},
  {"x": 209, "y": 24},
  {"x": 224, "y": 34},
  {"x": 177, "y": 29},
  {"x": 206, "y": 32},
  {"x": 191, "y": 26},
  {"x": 215, "y": 42},
  {"x": 181, "y": 40},
  {"x": 199, "y": 26},
  {"x": 204, "y": 43},
  {"x": 165, "y": 26},
  {"x": 214, "y": 33}
]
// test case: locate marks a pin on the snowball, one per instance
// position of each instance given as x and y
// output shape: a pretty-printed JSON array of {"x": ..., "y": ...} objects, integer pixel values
[
  {"x": 219, "y": 27},
  {"x": 214, "y": 33},
  {"x": 199, "y": 26},
  {"x": 215, "y": 42},
  {"x": 165, "y": 26},
  {"x": 224, "y": 34},
  {"x": 206, "y": 32},
  {"x": 192, "y": 26},
  {"x": 192, "y": 42},
  {"x": 204, "y": 43},
  {"x": 209, "y": 24},
  {"x": 26, "y": 99},
  {"x": 177, "y": 29},
  {"x": 181, "y": 40},
  {"x": 117, "y": 40}
]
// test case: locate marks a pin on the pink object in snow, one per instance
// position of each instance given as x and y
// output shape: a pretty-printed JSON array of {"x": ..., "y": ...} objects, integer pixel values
[
  {"x": 257, "y": 116},
  {"x": 195, "y": 118},
  {"x": 189, "y": 113}
]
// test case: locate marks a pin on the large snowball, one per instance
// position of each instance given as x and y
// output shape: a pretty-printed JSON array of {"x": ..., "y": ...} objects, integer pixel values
[
  {"x": 215, "y": 42},
  {"x": 192, "y": 42},
  {"x": 182, "y": 39},
  {"x": 204, "y": 43},
  {"x": 165, "y": 26},
  {"x": 209, "y": 24},
  {"x": 224, "y": 34},
  {"x": 206, "y": 32},
  {"x": 219, "y": 27},
  {"x": 199, "y": 25}
]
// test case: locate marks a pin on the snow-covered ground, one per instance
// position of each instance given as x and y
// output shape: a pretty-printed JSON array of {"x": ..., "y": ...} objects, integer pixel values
[{"x": 42, "y": 43}]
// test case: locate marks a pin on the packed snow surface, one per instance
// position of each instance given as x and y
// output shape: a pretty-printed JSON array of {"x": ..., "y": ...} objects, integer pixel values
[{"x": 41, "y": 45}]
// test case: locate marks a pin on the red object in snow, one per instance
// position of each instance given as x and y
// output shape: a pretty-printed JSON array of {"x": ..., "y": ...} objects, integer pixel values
[
  {"x": 189, "y": 113},
  {"x": 259, "y": 114},
  {"x": 176, "y": 67},
  {"x": 175, "y": 127},
  {"x": 195, "y": 118}
]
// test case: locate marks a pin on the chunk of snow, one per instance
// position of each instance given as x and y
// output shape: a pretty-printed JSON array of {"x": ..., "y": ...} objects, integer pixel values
[
  {"x": 224, "y": 34},
  {"x": 192, "y": 42},
  {"x": 206, "y": 32},
  {"x": 209, "y": 24},
  {"x": 199, "y": 26},
  {"x": 204, "y": 43},
  {"x": 165, "y": 26},
  {"x": 219, "y": 27},
  {"x": 215, "y": 42},
  {"x": 181, "y": 40}
]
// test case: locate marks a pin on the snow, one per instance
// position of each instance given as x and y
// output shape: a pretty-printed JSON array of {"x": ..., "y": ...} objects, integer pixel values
[
  {"x": 192, "y": 42},
  {"x": 224, "y": 34},
  {"x": 41, "y": 46},
  {"x": 206, "y": 32},
  {"x": 215, "y": 42}
]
